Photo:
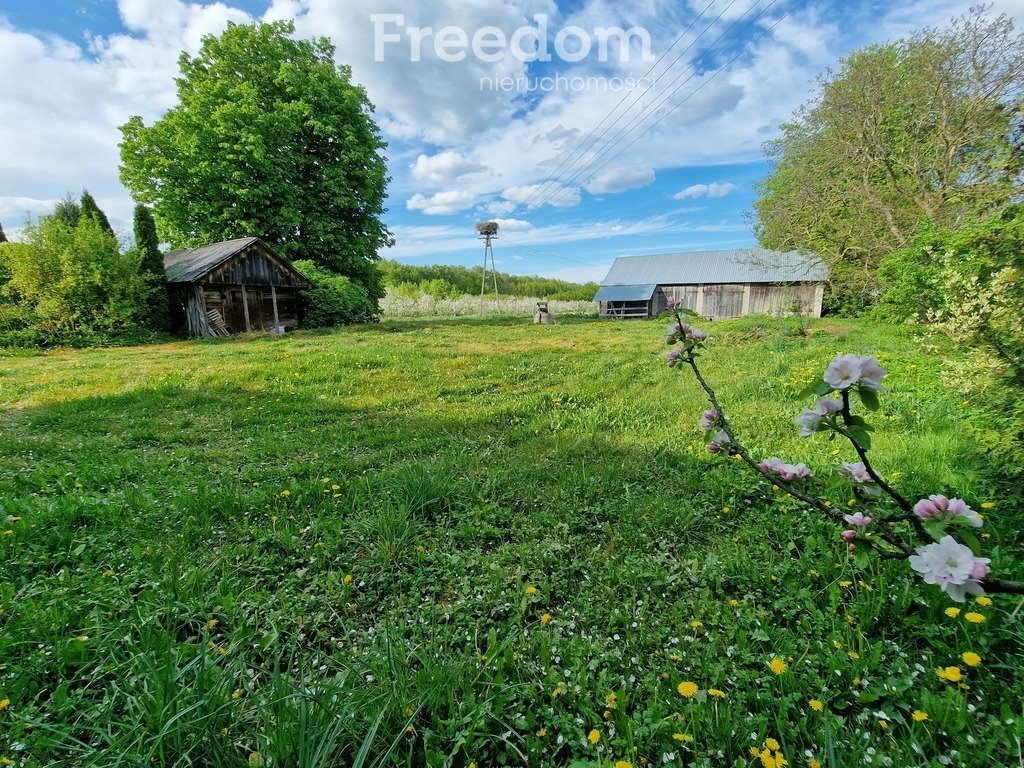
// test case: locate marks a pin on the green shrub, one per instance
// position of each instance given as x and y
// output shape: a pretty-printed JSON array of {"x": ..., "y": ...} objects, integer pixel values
[
  {"x": 334, "y": 299},
  {"x": 909, "y": 280},
  {"x": 73, "y": 280}
]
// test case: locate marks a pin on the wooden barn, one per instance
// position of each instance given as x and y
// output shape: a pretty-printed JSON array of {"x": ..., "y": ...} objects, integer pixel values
[
  {"x": 233, "y": 287},
  {"x": 715, "y": 284}
]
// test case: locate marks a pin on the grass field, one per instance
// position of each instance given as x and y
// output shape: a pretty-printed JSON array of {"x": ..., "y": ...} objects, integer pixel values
[{"x": 479, "y": 542}]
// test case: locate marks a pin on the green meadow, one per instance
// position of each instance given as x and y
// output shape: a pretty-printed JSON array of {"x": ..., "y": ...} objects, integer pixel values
[{"x": 489, "y": 543}]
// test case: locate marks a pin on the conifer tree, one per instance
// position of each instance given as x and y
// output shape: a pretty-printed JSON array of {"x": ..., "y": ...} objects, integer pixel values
[
  {"x": 158, "y": 316},
  {"x": 3, "y": 235},
  {"x": 88, "y": 207},
  {"x": 67, "y": 211}
]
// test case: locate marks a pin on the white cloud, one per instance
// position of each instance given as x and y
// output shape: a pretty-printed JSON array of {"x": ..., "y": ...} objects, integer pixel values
[
  {"x": 441, "y": 204},
  {"x": 443, "y": 168},
  {"x": 714, "y": 189},
  {"x": 513, "y": 225},
  {"x": 14, "y": 209},
  {"x": 500, "y": 206},
  {"x": 619, "y": 178},
  {"x": 549, "y": 193}
]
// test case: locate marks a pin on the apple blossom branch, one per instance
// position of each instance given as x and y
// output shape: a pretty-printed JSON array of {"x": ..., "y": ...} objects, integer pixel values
[{"x": 948, "y": 561}]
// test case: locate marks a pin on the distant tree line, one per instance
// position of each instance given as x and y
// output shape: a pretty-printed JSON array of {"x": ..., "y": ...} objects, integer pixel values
[{"x": 449, "y": 281}]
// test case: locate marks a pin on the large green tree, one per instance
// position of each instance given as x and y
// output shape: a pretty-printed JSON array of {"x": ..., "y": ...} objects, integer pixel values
[
  {"x": 269, "y": 138},
  {"x": 925, "y": 128},
  {"x": 151, "y": 265},
  {"x": 3, "y": 235}
]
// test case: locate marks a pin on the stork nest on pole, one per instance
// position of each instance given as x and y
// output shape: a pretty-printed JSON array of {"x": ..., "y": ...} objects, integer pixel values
[{"x": 486, "y": 228}]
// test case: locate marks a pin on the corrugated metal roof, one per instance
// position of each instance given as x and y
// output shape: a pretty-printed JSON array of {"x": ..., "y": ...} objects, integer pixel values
[
  {"x": 625, "y": 293},
  {"x": 743, "y": 265},
  {"x": 190, "y": 264}
]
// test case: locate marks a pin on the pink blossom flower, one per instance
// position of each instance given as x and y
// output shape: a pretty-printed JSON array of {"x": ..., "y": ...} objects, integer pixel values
[
  {"x": 787, "y": 472},
  {"x": 849, "y": 535},
  {"x": 698, "y": 335},
  {"x": 959, "y": 508},
  {"x": 939, "y": 507},
  {"x": 772, "y": 464},
  {"x": 672, "y": 303},
  {"x": 856, "y": 471},
  {"x": 871, "y": 374},
  {"x": 846, "y": 370},
  {"x": 709, "y": 419},
  {"x": 718, "y": 442},
  {"x": 672, "y": 357},
  {"x": 677, "y": 329},
  {"x": 858, "y": 519},
  {"x": 810, "y": 420},
  {"x": 843, "y": 372},
  {"x": 952, "y": 566}
]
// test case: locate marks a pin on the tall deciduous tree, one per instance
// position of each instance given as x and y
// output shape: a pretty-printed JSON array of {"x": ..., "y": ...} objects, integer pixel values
[
  {"x": 920, "y": 129},
  {"x": 151, "y": 265},
  {"x": 88, "y": 207},
  {"x": 269, "y": 138},
  {"x": 3, "y": 235}
]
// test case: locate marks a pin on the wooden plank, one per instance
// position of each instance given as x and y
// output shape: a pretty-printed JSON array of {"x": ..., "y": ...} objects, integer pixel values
[
  {"x": 245, "y": 309},
  {"x": 273, "y": 300}
]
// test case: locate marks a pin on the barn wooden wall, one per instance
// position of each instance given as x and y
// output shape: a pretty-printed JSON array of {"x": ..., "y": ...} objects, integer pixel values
[{"x": 721, "y": 302}]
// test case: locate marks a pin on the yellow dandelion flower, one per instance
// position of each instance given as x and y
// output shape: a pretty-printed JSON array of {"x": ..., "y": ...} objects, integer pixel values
[
  {"x": 988, "y": 505},
  {"x": 82, "y": 638},
  {"x": 683, "y": 738},
  {"x": 813, "y": 763},
  {"x": 952, "y": 674},
  {"x": 952, "y": 612},
  {"x": 715, "y": 693},
  {"x": 777, "y": 665},
  {"x": 971, "y": 659},
  {"x": 4, "y": 704},
  {"x": 884, "y": 725},
  {"x": 975, "y": 618},
  {"x": 611, "y": 699},
  {"x": 983, "y": 601},
  {"x": 531, "y": 590},
  {"x": 816, "y": 705},
  {"x": 236, "y": 694},
  {"x": 623, "y": 764},
  {"x": 845, "y": 584},
  {"x": 286, "y": 493},
  {"x": 687, "y": 689},
  {"x": 545, "y": 618},
  {"x": 696, "y": 624},
  {"x": 919, "y": 716},
  {"x": 594, "y": 736},
  {"x": 853, "y": 655},
  {"x": 734, "y": 603},
  {"x": 772, "y": 744},
  {"x": 347, "y": 578}
]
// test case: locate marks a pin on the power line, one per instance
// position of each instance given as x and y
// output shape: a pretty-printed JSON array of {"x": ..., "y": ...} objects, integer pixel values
[
  {"x": 651, "y": 109},
  {"x": 692, "y": 93},
  {"x": 549, "y": 254},
  {"x": 579, "y": 147}
]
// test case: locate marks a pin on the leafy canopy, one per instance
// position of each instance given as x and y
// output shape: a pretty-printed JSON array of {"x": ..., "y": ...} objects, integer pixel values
[
  {"x": 269, "y": 138},
  {"x": 926, "y": 127}
]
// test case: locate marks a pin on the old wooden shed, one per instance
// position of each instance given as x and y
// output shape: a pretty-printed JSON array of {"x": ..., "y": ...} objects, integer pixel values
[
  {"x": 232, "y": 287},
  {"x": 716, "y": 284}
]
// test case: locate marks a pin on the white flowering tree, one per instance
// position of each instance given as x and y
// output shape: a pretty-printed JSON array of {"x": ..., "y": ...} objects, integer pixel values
[{"x": 934, "y": 534}]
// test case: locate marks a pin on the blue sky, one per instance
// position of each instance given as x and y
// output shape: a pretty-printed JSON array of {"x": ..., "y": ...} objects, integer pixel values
[{"x": 673, "y": 167}]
